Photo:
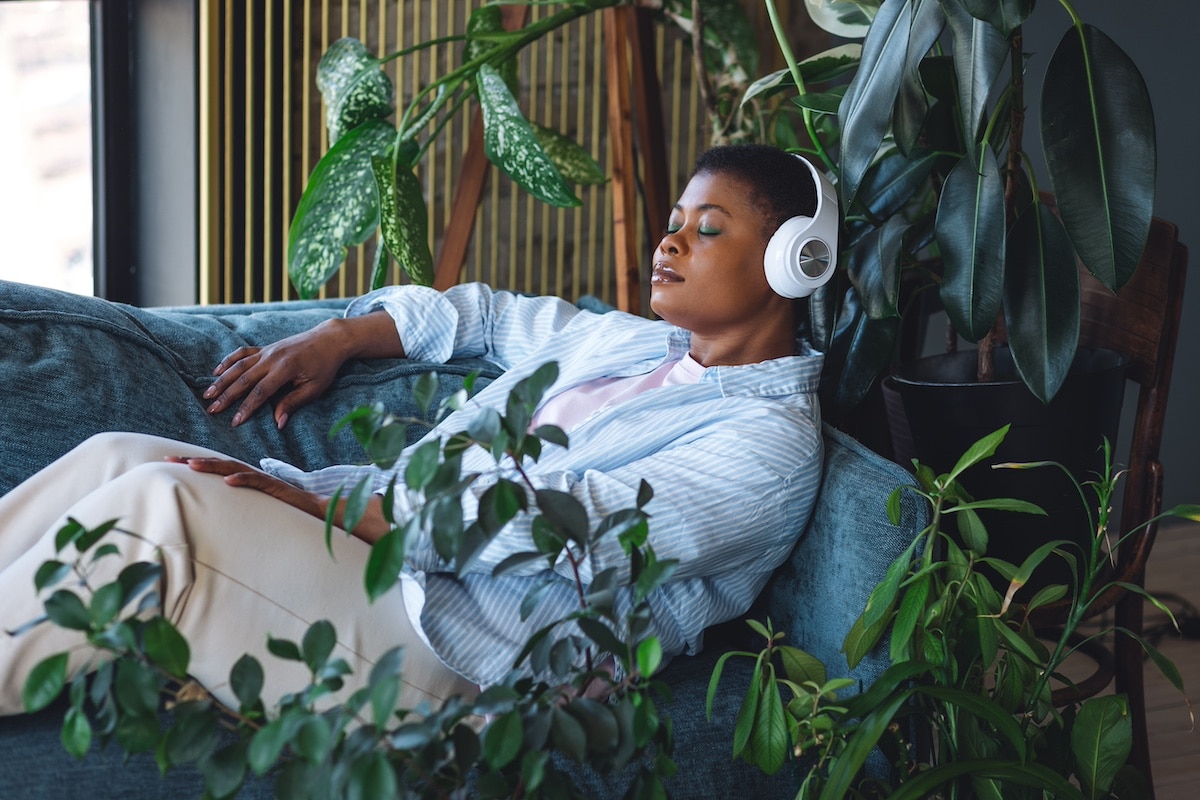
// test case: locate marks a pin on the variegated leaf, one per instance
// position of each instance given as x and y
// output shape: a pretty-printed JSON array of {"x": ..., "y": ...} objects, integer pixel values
[{"x": 354, "y": 87}]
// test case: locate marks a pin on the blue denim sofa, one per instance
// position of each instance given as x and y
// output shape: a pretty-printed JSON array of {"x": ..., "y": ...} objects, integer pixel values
[{"x": 74, "y": 366}]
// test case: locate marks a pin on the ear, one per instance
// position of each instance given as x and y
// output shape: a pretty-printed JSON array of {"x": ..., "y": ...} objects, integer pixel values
[{"x": 802, "y": 254}]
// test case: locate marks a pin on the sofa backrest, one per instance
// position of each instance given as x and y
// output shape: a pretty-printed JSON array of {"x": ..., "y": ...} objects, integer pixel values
[{"x": 822, "y": 588}]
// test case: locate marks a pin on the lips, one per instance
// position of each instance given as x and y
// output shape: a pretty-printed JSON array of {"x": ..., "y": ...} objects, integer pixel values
[{"x": 664, "y": 274}]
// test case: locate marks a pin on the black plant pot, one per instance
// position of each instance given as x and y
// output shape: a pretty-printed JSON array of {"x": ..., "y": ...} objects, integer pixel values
[{"x": 937, "y": 409}]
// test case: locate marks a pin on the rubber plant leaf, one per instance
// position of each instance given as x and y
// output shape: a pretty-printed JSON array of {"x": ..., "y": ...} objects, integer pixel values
[
  {"x": 1098, "y": 134},
  {"x": 1041, "y": 300},
  {"x": 874, "y": 267},
  {"x": 354, "y": 87},
  {"x": 575, "y": 163},
  {"x": 847, "y": 20},
  {"x": 511, "y": 145},
  {"x": 339, "y": 207},
  {"x": 820, "y": 68},
  {"x": 403, "y": 218},
  {"x": 871, "y": 350},
  {"x": 1101, "y": 740},
  {"x": 979, "y": 54},
  {"x": 893, "y": 181},
  {"x": 912, "y": 104},
  {"x": 970, "y": 231},
  {"x": 866, "y": 110},
  {"x": 1003, "y": 15}
]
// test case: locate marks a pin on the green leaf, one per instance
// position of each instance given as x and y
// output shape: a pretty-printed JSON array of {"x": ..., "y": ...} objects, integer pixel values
[
  {"x": 1101, "y": 740},
  {"x": 970, "y": 229},
  {"x": 225, "y": 770},
  {"x": 979, "y": 54},
  {"x": 511, "y": 145},
  {"x": 357, "y": 502},
  {"x": 983, "y": 448},
  {"x": 573, "y": 162},
  {"x": 284, "y": 648},
  {"x": 866, "y": 109},
  {"x": 649, "y": 655},
  {"x": 912, "y": 104},
  {"x": 485, "y": 29},
  {"x": 874, "y": 267},
  {"x": 318, "y": 643},
  {"x": 68, "y": 534},
  {"x": 743, "y": 726},
  {"x": 139, "y": 576},
  {"x": 1035, "y": 776},
  {"x": 246, "y": 680},
  {"x": 45, "y": 683},
  {"x": 422, "y": 465},
  {"x": 566, "y": 514},
  {"x": 339, "y": 207},
  {"x": 502, "y": 740},
  {"x": 769, "y": 741},
  {"x": 568, "y": 735},
  {"x": 166, "y": 647},
  {"x": 137, "y": 687},
  {"x": 820, "y": 68},
  {"x": 910, "y": 612},
  {"x": 268, "y": 743},
  {"x": 76, "y": 733},
  {"x": 1041, "y": 300},
  {"x": 50, "y": 573},
  {"x": 971, "y": 528},
  {"x": 354, "y": 87},
  {"x": 106, "y": 602},
  {"x": 65, "y": 609},
  {"x": 1004, "y": 15},
  {"x": 384, "y": 564},
  {"x": 801, "y": 667},
  {"x": 1098, "y": 133},
  {"x": 404, "y": 218}
]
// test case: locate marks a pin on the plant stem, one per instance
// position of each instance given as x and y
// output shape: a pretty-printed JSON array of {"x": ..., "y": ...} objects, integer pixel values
[{"x": 794, "y": 67}]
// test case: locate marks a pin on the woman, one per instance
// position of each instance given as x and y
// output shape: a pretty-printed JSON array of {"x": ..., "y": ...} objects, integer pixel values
[{"x": 714, "y": 406}]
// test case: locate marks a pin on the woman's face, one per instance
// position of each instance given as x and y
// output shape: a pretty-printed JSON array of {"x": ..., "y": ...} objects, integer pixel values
[{"x": 708, "y": 274}]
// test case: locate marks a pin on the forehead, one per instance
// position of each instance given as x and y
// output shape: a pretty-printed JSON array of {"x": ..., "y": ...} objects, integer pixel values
[{"x": 728, "y": 192}]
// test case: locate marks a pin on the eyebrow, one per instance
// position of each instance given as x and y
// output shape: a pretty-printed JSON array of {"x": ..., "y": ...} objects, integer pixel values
[{"x": 707, "y": 207}]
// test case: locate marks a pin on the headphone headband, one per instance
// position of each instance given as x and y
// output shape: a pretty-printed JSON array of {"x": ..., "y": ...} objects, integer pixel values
[{"x": 802, "y": 254}]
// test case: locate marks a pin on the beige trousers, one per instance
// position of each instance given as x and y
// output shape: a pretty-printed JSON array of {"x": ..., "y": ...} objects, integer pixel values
[{"x": 239, "y": 565}]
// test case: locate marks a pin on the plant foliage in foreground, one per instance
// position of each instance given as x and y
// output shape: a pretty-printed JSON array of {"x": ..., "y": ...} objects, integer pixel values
[
  {"x": 365, "y": 745},
  {"x": 965, "y": 709}
]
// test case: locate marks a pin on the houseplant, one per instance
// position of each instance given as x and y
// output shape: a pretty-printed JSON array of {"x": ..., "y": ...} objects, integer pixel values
[
  {"x": 368, "y": 179},
  {"x": 927, "y": 140},
  {"x": 966, "y": 709},
  {"x": 941, "y": 198}
]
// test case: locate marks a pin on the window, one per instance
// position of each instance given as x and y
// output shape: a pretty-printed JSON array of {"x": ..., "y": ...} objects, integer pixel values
[{"x": 46, "y": 144}]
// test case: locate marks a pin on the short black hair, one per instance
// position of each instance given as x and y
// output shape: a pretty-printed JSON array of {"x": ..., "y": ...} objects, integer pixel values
[{"x": 783, "y": 187}]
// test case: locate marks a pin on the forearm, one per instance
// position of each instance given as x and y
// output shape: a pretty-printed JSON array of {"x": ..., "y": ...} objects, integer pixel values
[{"x": 371, "y": 335}]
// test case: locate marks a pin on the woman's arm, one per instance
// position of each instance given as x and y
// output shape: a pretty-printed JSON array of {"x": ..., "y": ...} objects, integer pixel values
[{"x": 309, "y": 361}]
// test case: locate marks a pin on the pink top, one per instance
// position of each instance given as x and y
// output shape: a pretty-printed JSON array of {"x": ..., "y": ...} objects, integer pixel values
[{"x": 568, "y": 409}]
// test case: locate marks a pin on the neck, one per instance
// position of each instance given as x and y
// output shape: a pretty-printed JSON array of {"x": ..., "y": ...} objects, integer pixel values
[{"x": 743, "y": 347}]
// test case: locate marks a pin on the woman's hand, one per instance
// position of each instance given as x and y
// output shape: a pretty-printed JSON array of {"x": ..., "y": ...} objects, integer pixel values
[
  {"x": 308, "y": 362},
  {"x": 371, "y": 528}
]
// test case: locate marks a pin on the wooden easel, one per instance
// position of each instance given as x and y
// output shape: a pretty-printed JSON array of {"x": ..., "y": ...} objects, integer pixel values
[{"x": 629, "y": 57}]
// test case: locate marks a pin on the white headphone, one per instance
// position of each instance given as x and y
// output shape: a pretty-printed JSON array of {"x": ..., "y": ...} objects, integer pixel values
[{"x": 802, "y": 254}]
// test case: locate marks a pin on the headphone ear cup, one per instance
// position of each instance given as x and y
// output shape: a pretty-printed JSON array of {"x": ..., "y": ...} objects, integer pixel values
[{"x": 798, "y": 259}]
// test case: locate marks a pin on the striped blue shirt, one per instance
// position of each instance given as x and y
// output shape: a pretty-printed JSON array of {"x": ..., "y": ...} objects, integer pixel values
[{"x": 734, "y": 461}]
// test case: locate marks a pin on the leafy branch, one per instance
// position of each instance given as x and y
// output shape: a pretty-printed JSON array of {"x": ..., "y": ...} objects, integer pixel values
[{"x": 582, "y": 688}]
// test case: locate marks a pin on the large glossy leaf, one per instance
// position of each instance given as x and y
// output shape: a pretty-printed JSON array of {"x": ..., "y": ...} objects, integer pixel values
[
  {"x": 404, "y": 218},
  {"x": 970, "y": 232},
  {"x": 979, "y": 54},
  {"x": 339, "y": 207},
  {"x": 1101, "y": 740},
  {"x": 484, "y": 27},
  {"x": 847, "y": 20},
  {"x": 354, "y": 87},
  {"x": 1003, "y": 15},
  {"x": 893, "y": 181},
  {"x": 866, "y": 110},
  {"x": 912, "y": 105},
  {"x": 820, "y": 68},
  {"x": 871, "y": 348},
  {"x": 874, "y": 267},
  {"x": 1099, "y": 138},
  {"x": 1041, "y": 300},
  {"x": 511, "y": 145}
]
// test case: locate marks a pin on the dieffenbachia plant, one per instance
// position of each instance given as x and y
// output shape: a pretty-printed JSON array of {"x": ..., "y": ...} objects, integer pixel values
[{"x": 366, "y": 181}]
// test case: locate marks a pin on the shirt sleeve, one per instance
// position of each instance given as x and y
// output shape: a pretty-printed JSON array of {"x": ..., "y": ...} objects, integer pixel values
[
  {"x": 716, "y": 507},
  {"x": 467, "y": 320}
]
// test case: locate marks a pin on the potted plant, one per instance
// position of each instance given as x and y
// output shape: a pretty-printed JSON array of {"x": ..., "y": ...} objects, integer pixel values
[
  {"x": 941, "y": 197},
  {"x": 966, "y": 708}
]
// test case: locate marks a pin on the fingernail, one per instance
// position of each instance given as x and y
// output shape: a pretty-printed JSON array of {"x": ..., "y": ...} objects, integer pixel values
[
  {"x": 209, "y": 392},
  {"x": 214, "y": 408},
  {"x": 281, "y": 421},
  {"x": 237, "y": 419}
]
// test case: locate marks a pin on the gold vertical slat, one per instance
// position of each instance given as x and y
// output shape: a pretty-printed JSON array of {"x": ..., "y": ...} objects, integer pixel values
[
  {"x": 286, "y": 147},
  {"x": 227, "y": 111},
  {"x": 248, "y": 137},
  {"x": 268, "y": 183},
  {"x": 209, "y": 156}
]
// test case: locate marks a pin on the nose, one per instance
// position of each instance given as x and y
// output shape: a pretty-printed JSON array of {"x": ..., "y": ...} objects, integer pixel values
[{"x": 672, "y": 244}]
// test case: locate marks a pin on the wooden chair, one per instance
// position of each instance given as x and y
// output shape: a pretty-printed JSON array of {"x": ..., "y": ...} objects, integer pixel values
[{"x": 1141, "y": 322}]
